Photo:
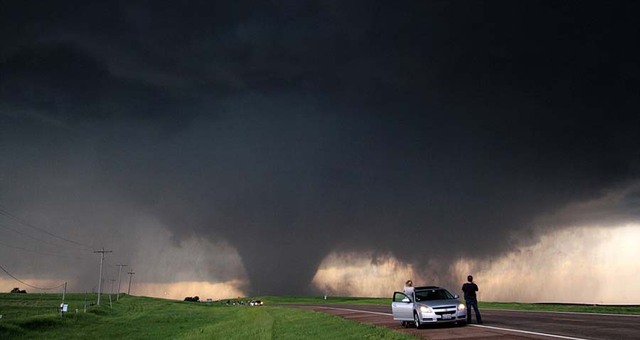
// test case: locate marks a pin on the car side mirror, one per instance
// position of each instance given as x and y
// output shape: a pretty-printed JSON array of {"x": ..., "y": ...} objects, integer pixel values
[
  {"x": 456, "y": 296},
  {"x": 406, "y": 300}
]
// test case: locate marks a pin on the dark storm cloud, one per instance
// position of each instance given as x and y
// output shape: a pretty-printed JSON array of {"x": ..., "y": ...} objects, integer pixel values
[{"x": 294, "y": 129}]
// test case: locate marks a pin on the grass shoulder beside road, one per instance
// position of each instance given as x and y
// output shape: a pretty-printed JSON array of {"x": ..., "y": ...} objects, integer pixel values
[
  {"x": 559, "y": 307},
  {"x": 320, "y": 300},
  {"x": 550, "y": 307},
  {"x": 36, "y": 316}
]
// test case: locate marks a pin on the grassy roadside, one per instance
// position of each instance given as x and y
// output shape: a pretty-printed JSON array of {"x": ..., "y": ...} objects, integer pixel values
[
  {"x": 556, "y": 307},
  {"x": 550, "y": 307},
  {"x": 319, "y": 300},
  {"x": 578, "y": 308},
  {"x": 35, "y": 316}
]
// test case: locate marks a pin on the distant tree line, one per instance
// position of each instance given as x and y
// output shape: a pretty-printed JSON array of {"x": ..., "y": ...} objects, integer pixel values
[
  {"x": 18, "y": 291},
  {"x": 192, "y": 299}
]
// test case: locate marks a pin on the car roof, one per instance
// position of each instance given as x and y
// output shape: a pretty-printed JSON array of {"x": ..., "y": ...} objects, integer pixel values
[{"x": 427, "y": 287}]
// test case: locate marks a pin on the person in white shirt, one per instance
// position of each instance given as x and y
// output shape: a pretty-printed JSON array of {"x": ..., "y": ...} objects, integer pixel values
[{"x": 408, "y": 289}]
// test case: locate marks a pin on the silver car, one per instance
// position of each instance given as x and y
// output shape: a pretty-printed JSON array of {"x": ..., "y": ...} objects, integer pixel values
[{"x": 428, "y": 305}]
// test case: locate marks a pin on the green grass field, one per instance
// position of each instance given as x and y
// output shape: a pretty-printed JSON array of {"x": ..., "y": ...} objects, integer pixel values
[{"x": 31, "y": 316}]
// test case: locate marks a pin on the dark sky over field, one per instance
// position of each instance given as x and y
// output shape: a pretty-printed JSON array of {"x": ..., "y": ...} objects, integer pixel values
[{"x": 292, "y": 129}]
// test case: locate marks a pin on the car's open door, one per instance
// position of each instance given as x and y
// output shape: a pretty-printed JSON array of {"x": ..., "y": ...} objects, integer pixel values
[{"x": 402, "y": 307}]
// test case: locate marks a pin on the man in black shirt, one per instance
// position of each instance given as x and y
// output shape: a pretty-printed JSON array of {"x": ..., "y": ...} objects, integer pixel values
[{"x": 470, "y": 299}]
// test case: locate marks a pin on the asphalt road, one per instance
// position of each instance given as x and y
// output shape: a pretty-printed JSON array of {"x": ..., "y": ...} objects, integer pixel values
[{"x": 503, "y": 325}]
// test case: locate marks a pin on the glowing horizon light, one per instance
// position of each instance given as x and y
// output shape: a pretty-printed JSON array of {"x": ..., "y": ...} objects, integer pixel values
[
  {"x": 180, "y": 290},
  {"x": 173, "y": 291},
  {"x": 588, "y": 264},
  {"x": 362, "y": 274},
  {"x": 8, "y": 283},
  {"x": 164, "y": 267}
]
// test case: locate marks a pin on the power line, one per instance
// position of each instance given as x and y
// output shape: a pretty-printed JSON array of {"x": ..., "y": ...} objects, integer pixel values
[
  {"x": 25, "y": 223},
  {"x": 26, "y": 284},
  {"x": 27, "y": 235},
  {"x": 39, "y": 252}
]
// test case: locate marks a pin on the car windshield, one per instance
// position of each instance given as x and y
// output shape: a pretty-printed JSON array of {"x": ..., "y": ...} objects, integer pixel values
[{"x": 433, "y": 294}]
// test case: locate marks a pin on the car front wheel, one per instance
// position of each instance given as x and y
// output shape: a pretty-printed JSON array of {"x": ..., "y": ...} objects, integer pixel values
[{"x": 416, "y": 320}]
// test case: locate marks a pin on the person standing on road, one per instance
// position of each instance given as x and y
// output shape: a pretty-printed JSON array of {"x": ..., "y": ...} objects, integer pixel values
[{"x": 470, "y": 298}]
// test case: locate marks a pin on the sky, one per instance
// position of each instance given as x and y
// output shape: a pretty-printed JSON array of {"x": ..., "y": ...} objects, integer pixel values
[{"x": 321, "y": 147}]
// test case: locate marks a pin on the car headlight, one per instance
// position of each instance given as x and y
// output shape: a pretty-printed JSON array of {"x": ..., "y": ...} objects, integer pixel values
[
  {"x": 461, "y": 307},
  {"x": 425, "y": 309}
]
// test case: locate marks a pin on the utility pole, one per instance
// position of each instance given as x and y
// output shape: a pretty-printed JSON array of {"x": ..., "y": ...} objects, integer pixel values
[
  {"x": 64, "y": 293},
  {"x": 130, "y": 277},
  {"x": 101, "y": 252},
  {"x": 119, "y": 270}
]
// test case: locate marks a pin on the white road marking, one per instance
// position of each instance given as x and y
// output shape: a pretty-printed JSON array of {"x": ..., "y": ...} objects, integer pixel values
[
  {"x": 483, "y": 326},
  {"x": 532, "y": 333}
]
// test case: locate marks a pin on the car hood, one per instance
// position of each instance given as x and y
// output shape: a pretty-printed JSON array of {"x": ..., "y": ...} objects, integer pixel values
[{"x": 439, "y": 303}]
